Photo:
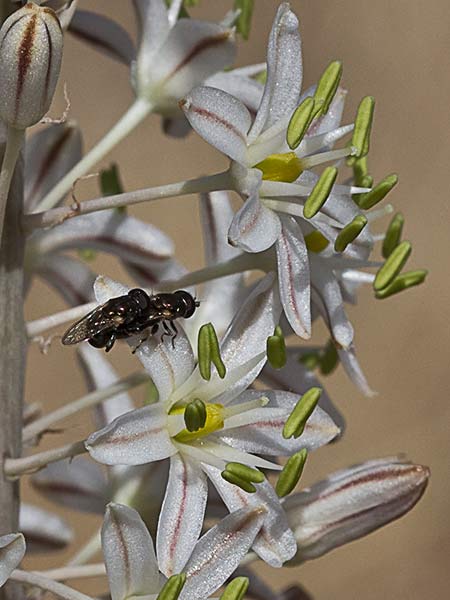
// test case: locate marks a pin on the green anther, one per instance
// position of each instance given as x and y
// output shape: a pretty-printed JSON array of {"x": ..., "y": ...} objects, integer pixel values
[
  {"x": 320, "y": 192},
  {"x": 172, "y": 588},
  {"x": 369, "y": 199},
  {"x": 349, "y": 233},
  {"x": 329, "y": 359},
  {"x": 291, "y": 473},
  {"x": 316, "y": 241},
  {"x": 327, "y": 86},
  {"x": 236, "y": 589},
  {"x": 360, "y": 171},
  {"x": 392, "y": 267},
  {"x": 87, "y": 254},
  {"x": 363, "y": 126},
  {"x": 243, "y": 23},
  {"x": 299, "y": 123},
  {"x": 310, "y": 360},
  {"x": 402, "y": 282},
  {"x": 195, "y": 415},
  {"x": 296, "y": 422},
  {"x": 209, "y": 352},
  {"x": 241, "y": 483},
  {"x": 244, "y": 472},
  {"x": 110, "y": 183},
  {"x": 276, "y": 349},
  {"x": 393, "y": 235}
]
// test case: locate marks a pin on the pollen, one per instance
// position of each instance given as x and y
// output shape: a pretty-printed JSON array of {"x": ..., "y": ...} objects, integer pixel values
[
  {"x": 214, "y": 422},
  {"x": 281, "y": 167}
]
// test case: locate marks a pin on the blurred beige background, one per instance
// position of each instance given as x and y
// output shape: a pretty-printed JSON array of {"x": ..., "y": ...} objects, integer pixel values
[{"x": 399, "y": 52}]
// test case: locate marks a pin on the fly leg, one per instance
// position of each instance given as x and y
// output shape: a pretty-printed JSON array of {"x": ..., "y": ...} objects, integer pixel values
[
  {"x": 110, "y": 343},
  {"x": 174, "y": 334},
  {"x": 167, "y": 330}
]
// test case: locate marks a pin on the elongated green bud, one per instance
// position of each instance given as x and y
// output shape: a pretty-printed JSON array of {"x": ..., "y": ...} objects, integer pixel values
[
  {"x": 320, "y": 192},
  {"x": 172, "y": 588},
  {"x": 31, "y": 44},
  {"x": 304, "y": 408},
  {"x": 393, "y": 235},
  {"x": 276, "y": 349},
  {"x": 392, "y": 267},
  {"x": 291, "y": 473},
  {"x": 236, "y": 589}
]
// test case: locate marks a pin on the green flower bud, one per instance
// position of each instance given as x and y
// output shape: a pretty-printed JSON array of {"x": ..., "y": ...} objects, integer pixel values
[{"x": 31, "y": 42}]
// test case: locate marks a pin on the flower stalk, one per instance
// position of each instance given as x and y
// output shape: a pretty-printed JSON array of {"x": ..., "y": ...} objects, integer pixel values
[{"x": 55, "y": 216}]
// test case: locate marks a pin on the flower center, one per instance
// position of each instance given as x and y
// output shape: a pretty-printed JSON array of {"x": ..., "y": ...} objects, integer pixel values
[
  {"x": 316, "y": 241},
  {"x": 281, "y": 167},
  {"x": 214, "y": 421}
]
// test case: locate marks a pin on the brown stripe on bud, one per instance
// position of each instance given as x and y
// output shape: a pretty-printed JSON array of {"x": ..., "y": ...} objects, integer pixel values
[{"x": 31, "y": 43}]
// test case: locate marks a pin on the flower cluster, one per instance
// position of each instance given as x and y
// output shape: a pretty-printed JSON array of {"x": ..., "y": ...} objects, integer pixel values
[{"x": 231, "y": 412}]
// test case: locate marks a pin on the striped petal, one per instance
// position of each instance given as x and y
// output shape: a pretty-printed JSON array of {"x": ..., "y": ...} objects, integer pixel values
[
  {"x": 103, "y": 34},
  {"x": 49, "y": 155},
  {"x": 294, "y": 277},
  {"x": 109, "y": 231},
  {"x": 220, "y": 119},
  {"x": 181, "y": 517},
  {"x": 327, "y": 297},
  {"x": 284, "y": 72},
  {"x": 71, "y": 278},
  {"x": 192, "y": 52},
  {"x": 129, "y": 555},
  {"x": 136, "y": 438},
  {"x": 275, "y": 543},
  {"x": 219, "y": 552},
  {"x": 80, "y": 484},
  {"x": 254, "y": 227}
]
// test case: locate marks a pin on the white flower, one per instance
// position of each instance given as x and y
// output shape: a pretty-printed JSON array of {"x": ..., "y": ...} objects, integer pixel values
[
  {"x": 173, "y": 56},
  {"x": 272, "y": 180},
  {"x": 133, "y": 569},
  {"x": 239, "y": 426}
]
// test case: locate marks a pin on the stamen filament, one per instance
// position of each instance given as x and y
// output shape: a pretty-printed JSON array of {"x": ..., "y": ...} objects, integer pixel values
[
  {"x": 317, "y": 159},
  {"x": 230, "y": 411}
]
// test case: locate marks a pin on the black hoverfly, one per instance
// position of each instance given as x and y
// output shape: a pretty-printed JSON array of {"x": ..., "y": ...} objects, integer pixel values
[{"x": 126, "y": 316}]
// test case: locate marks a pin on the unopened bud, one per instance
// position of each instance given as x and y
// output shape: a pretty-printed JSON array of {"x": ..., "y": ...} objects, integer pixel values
[
  {"x": 31, "y": 42},
  {"x": 352, "y": 503}
]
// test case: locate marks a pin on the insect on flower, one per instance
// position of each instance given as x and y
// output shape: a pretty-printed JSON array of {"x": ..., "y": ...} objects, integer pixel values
[{"x": 128, "y": 315}]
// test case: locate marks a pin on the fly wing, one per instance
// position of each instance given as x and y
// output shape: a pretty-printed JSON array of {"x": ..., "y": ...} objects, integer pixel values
[{"x": 90, "y": 325}]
